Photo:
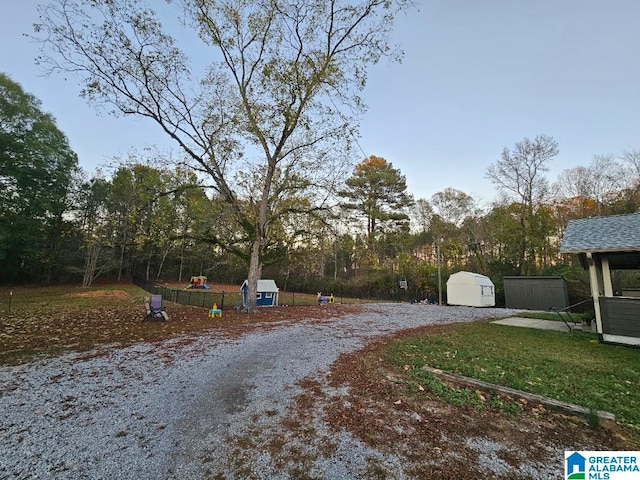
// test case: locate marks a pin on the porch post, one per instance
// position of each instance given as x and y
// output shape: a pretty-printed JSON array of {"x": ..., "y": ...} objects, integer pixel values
[
  {"x": 606, "y": 276},
  {"x": 594, "y": 281}
]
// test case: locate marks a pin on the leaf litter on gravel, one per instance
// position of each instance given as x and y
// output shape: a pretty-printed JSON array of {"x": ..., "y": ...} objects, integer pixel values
[{"x": 28, "y": 334}]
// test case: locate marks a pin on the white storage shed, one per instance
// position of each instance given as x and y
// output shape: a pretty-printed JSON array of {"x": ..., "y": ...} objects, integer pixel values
[{"x": 471, "y": 290}]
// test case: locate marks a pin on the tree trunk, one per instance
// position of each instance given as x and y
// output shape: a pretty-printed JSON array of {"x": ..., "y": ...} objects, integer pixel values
[
  {"x": 255, "y": 265},
  {"x": 147, "y": 275},
  {"x": 523, "y": 247},
  {"x": 286, "y": 277},
  {"x": 254, "y": 275},
  {"x": 335, "y": 260},
  {"x": 181, "y": 261},
  {"x": 121, "y": 262},
  {"x": 162, "y": 260},
  {"x": 90, "y": 264}
]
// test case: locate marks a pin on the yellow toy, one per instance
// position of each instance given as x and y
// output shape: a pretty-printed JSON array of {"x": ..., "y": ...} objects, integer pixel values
[{"x": 214, "y": 310}]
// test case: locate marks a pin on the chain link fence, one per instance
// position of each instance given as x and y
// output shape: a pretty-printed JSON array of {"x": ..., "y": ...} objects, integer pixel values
[{"x": 196, "y": 297}]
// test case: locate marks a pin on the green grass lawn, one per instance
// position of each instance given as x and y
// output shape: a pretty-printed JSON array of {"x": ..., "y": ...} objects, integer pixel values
[
  {"x": 558, "y": 316},
  {"x": 43, "y": 300},
  {"x": 571, "y": 367}
]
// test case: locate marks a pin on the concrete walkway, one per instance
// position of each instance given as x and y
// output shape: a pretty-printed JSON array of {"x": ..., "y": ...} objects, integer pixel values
[{"x": 536, "y": 323}]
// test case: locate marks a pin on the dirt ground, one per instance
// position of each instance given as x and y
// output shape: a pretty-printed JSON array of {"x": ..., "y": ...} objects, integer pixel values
[{"x": 113, "y": 294}]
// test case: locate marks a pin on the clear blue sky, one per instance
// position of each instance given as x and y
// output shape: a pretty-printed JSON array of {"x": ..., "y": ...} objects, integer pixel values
[{"x": 477, "y": 76}]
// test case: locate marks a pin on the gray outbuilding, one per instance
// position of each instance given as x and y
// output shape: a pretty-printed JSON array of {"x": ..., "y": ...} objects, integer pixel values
[{"x": 536, "y": 292}]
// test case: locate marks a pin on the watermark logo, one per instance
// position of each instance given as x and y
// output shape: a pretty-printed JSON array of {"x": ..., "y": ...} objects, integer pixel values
[
  {"x": 575, "y": 466},
  {"x": 601, "y": 465}
]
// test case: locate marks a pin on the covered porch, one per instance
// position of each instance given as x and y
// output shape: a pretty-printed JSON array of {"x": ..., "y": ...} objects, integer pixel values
[{"x": 609, "y": 247}]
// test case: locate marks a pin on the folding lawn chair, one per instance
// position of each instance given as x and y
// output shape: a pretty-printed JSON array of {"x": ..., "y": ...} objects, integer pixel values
[{"x": 155, "y": 308}]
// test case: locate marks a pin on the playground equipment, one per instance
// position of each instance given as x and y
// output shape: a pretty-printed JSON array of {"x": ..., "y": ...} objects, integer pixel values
[
  {"x": 198, "y": 282},
  {"x": 266, "y": 296},
  {"x": 324, "y": 299},
  {"x": 214, "y": 310}
]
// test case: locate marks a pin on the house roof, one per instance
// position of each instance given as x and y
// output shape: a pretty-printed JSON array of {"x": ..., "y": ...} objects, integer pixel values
[
  {"x": 264, "y": 286},
  {"x": 616, "y": 233}
]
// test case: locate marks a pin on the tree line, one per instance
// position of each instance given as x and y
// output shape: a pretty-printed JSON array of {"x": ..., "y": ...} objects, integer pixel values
[
  {"x": 264, "y": 117},
  {"x": 152, "y": 218}
]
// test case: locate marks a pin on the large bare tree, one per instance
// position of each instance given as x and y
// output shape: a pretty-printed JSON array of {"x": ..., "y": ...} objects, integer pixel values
[
  {"x": 519, "y": 175},
  {"x": 453, "y": 205},
  {"x": 593, "y": 188},
  {"x": 272, "y": 89}
]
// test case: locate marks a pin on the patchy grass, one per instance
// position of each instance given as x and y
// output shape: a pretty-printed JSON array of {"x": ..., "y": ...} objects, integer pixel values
[
  {"x": 45, "y": 300},
  {"x": 37, "y": 321},
  {"x": 429, "y": 425},
  {"x": 573, "y": 368}
]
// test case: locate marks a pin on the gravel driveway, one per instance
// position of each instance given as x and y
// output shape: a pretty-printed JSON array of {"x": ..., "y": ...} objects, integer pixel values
[{"x": 189, "y": 408}]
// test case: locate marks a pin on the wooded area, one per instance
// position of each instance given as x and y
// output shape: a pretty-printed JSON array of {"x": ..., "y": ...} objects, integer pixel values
[
  {"x": 151, "y": 218},
  {"x": 263, "y": 185}
]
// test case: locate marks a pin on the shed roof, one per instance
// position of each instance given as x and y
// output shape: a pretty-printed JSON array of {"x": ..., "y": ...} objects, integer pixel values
[
  {"x": 264, "y": 286},
  {"x": 469, "y": 278},
  {"x": 616, "y": 233}
]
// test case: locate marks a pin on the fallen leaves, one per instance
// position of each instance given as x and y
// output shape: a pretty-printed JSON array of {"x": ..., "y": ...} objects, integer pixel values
[
  {"x": 27, "y": 334},
  {"x": 383, "y": 408},
  {"x": 113, "y": 294}
]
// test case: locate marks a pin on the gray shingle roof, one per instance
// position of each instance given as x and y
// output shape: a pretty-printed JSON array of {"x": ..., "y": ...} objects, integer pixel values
[
  {"x": 264, "y": 286},
  {"x": 617, "y": 233}
]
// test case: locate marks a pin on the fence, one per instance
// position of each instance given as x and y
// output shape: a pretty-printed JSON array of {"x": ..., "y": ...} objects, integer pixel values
[
  {"x": 206, "y": 298},
  {"x": 197, "y": 298}
]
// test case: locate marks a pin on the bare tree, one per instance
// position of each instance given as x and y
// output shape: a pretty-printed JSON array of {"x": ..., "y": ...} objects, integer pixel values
[
  {"x": 519, "y": 175},
  {"x": 575, "y": 182},
  {"x": 279, "y": 97},
  {"x": 607, "y": 178},
  {"x": 421, "y": 215},
  {"x": 453, "y": 205},
  {"x": 575, "y": 192},
  {"x": 592, "y": 188},
  {"x": 631, "y": 159}
]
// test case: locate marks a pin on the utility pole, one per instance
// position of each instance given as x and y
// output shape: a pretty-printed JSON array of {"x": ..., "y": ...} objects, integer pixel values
[{"x": 440, "y": 240}]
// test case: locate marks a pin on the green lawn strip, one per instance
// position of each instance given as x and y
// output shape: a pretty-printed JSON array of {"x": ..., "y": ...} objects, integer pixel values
[
  {"x": 557, "y": 316},
  {"x": 573, "y": 368}
]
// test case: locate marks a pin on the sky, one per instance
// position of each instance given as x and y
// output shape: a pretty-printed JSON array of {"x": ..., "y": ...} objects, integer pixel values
[{"x": 477, "y": 76}]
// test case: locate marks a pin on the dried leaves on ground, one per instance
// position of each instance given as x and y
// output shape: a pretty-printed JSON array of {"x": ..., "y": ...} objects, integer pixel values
[
  {"x": 371, "y": 399},
  {"x": 385, "y": 409},
  {"x": 118, "y": 319}
]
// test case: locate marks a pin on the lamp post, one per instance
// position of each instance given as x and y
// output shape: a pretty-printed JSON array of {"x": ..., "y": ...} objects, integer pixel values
[{"x": 440, "y": 240}]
